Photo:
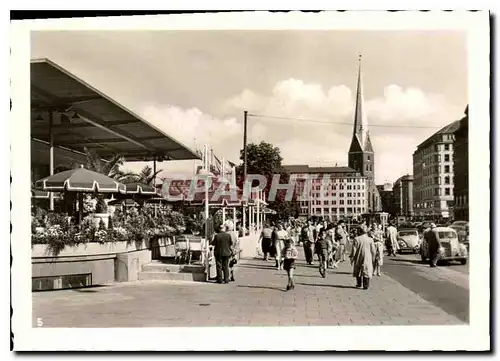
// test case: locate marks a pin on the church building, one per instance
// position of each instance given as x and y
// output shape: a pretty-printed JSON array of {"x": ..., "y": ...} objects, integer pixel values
[{"x": 361, "y": 154}]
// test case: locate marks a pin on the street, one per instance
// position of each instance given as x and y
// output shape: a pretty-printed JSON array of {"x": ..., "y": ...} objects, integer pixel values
[
  {"x": 407, "y": 293},
  {"x": 445, "y": 286}
]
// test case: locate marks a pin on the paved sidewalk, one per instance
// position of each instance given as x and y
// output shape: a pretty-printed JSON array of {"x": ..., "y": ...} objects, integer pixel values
[{"x": 257, "y": 298}]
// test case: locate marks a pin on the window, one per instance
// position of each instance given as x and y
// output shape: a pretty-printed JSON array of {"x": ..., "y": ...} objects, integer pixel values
[
  {"x": 447, "y": 191},
  {"x": 447, "y": 169},
  {"x": 326, "y": 203},
  {"x": 446, "y": 157},
  {"x": 349, "y": 201},
  {"x": 446, "y": 180},
  {"x": 349, "y": 194},
  {"x": 437, "y": 191},
  {"x": 359, "y": 202},
  {"x": 334, "y": 202},
  {"x": 437, "y": 158},
  {"x": 341, "y": 201},
  {"x": 325, "y": 210},
  {"x": 446, "y": 147},
  {"x": 341, "y": 194},
  {"x": 437, "y": 180}
]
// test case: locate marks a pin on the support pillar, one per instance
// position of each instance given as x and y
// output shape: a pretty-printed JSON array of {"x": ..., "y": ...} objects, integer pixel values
[{"x": 51, "y": 157}]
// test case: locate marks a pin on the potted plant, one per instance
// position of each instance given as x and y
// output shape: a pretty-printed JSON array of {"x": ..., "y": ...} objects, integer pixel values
[{"x": 101, "y": 212}]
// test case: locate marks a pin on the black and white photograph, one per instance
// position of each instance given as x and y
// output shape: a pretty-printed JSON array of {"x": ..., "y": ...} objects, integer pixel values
[{"x": 251, "y": 181}]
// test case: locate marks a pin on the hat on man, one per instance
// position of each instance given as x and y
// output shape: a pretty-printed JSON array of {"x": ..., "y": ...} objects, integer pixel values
[{"x": 433, "y": 225}]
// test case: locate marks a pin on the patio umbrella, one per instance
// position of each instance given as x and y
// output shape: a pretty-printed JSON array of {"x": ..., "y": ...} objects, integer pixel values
[
  {"x": 80, "y": 180},
  {"x": 127, "y": 202},
  {"x": 140, "y": 188},
  {"x": 37, "y": 194}
]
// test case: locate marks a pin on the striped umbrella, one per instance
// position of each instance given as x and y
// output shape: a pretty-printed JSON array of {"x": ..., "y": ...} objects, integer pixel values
[
  {"x": 140, "y": 188},
  {"x": 80, "y": 180}
]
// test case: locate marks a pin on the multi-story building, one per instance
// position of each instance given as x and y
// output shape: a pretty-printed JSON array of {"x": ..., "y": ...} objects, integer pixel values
[
  {"x": 461, "y": 169},
  {"x": 403, "y": 196},
  {"x": 387, "y": 198},
  {"x": 433, "y": 174},
  {"x": 361, "y": 154},
  {"x": 329, "y": 192}
]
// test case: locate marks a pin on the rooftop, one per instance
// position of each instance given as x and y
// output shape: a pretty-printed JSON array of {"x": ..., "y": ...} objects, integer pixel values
[
  {"x": 448, "y": 129},
  {"x": 307, "y": 169}
]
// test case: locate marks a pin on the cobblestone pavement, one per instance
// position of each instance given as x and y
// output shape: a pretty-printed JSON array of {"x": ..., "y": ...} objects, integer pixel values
[{"x": 257, "y": 298}]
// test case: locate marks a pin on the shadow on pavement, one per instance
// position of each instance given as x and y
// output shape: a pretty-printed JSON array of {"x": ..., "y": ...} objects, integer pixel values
[
  {"x": 325, "y": 285},
  {"x": 247, "y": 265},
  {"x": 416, "y": 261},
  {"x": 263, "y": 287}
]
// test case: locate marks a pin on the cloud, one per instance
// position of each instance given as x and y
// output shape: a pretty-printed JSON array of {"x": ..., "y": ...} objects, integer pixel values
[
  {"x": 192, "y": 126},
  {"x": 311, "y": 142},
  {"x": 294, "y": 98}
]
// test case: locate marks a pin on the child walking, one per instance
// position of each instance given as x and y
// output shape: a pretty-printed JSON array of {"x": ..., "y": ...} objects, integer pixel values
[
  {"x": 290, "y": 254},
  {"x": 379, "y": 256}
]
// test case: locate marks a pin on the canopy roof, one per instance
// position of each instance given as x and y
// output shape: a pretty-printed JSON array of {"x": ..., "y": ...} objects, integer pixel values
[{"x": 84, "y": 117}]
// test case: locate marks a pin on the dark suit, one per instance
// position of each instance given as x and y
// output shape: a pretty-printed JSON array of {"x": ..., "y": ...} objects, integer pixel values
[{"x": 222, "y": 251}]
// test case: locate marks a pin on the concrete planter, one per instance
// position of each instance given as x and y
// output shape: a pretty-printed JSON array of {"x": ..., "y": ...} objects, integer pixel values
[
  {"x": 87, "y": 249},
  {"x": 94, "y": 262}
]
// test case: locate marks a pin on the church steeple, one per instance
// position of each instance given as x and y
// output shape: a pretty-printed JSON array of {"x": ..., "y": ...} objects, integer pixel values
[
  {"x": 361, "y": 156},
  {"x": 360, "y": 136}
]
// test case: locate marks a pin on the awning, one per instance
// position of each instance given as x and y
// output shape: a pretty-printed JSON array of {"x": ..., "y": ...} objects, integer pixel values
[{"x": 84, "y": 117}]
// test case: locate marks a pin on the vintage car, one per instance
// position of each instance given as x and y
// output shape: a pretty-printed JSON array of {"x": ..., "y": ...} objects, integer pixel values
[
  {"x": 451, "y": 249},
  {"x": 463, "y": 233},
  {"x": 408, "y": 240}
]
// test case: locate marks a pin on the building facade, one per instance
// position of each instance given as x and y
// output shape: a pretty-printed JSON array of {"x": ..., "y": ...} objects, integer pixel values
[
  {"x": 387, "y": 198},
  {"x": 361, "y": 156},
  {"x": 331, "y": 193},
  {"x": 461, "y": 169},
  {"x": 403, "y": 197},
  {"x": 433, "y": 175}
]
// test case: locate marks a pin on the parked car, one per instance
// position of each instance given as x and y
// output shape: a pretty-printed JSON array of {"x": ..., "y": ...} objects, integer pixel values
[
  {"x": 463, "y": 234},
  {"x": 409, "y": 240},
  {"x": 451, "y": 249},
  {"x": 460, "y": 223}
]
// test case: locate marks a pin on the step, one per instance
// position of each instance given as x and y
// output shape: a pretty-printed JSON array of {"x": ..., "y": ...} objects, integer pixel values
[
  {"x": 172, "y": 268},
  {"x": 167, "y": 276}
]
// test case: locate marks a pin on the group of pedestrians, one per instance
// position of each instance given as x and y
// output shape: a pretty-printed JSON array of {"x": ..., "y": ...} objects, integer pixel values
[{"x": 330, "y": 243}]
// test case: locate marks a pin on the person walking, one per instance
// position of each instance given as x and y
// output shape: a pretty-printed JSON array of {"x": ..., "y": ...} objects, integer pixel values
[
  {"x": 362, "y": 256},
  {"x": 235, "y": 249},
  {"x": 379, "y": 250},
  {"x": 281, "y": 236},
  {"x": 266, "y": 240},
  {"x": 290, "y": 254},
  {"x": 322, "y": 252},
  {"x": 308, "y": 242},
  {"x": 341, "y": 236},
  {"x": 434, "y": 245},
  {"x": 392, "y": 239},
  {"x": 222, "y": 251},
  {"x": 332, "y": 245}
]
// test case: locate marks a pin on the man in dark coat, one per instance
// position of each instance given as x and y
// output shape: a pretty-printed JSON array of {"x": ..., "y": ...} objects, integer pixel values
[
  {"x": 433, "y": 245},
  {"x": 222, "y": 251}
]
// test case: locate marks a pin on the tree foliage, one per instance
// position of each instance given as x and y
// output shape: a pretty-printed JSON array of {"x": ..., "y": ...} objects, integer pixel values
[{"x": 265, "y": 159}]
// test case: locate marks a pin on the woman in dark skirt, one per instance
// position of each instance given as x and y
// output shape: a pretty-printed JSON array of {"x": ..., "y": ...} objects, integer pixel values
[
  {"x": 290, "y": 254},
  {"x": 266, "y": 240}
]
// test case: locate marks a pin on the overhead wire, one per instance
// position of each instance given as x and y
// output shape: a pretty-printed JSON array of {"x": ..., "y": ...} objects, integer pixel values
[{"x": 341, "y": 123}]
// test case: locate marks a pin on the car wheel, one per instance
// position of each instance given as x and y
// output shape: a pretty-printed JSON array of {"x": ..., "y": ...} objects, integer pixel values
[{"x": 463, "y": 261}]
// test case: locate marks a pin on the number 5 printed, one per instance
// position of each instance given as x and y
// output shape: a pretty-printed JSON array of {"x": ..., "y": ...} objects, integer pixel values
[{"x": 39, "y": 322}]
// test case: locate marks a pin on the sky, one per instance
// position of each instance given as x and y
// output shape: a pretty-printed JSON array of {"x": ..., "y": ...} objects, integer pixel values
[{"x": 195, "y": 85}]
